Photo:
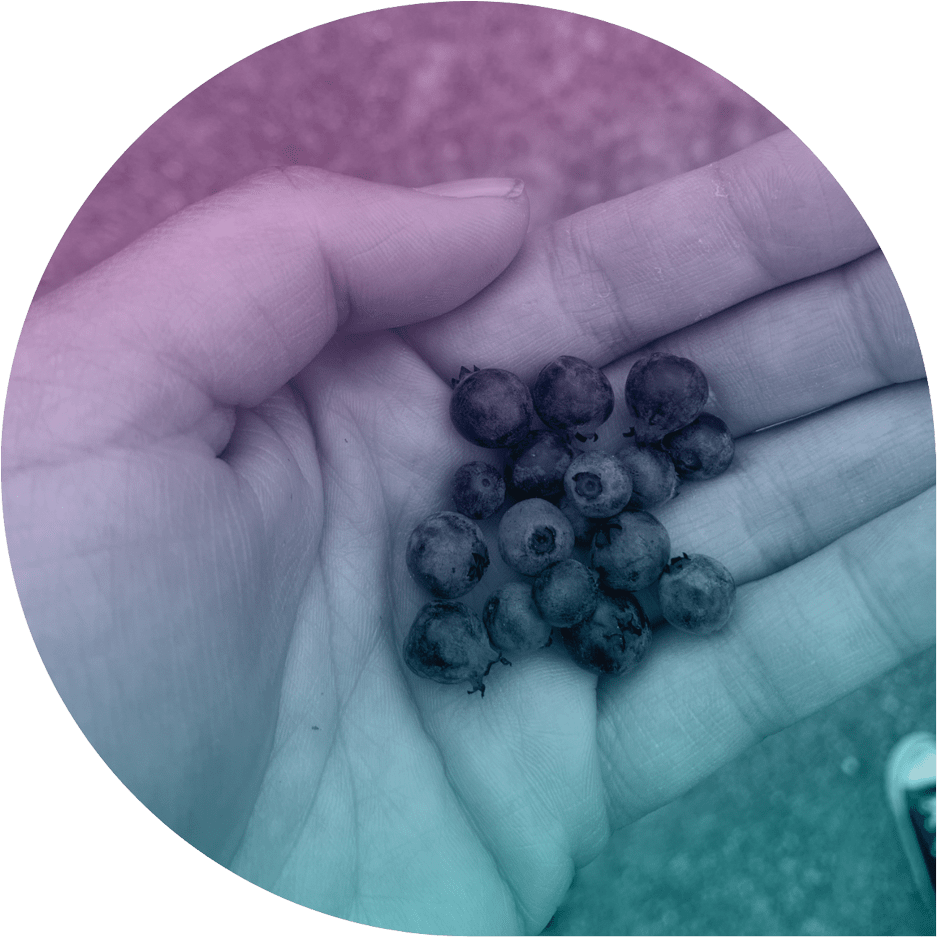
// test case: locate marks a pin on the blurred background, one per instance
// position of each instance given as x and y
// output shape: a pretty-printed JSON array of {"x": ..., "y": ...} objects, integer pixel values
[
  {"x": 793, "y": 838},
  {"x": 582, "y": 110}
]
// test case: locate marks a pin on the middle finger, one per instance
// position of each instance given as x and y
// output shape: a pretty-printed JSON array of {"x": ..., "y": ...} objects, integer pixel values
[{"x": 614, "y": 277}]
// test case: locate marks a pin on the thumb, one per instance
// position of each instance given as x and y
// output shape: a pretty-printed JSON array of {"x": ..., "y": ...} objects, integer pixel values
[{"x": 226, "y": 301}]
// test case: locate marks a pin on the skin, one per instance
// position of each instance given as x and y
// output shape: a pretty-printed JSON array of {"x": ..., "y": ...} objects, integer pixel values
[{"x": 207, "y": 530}]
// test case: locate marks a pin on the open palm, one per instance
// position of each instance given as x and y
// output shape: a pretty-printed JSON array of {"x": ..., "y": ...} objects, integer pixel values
[{"x": 207, "y": 497}]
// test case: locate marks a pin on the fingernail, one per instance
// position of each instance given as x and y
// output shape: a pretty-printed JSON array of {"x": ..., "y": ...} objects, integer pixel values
[{"x": 474, "y": 188}]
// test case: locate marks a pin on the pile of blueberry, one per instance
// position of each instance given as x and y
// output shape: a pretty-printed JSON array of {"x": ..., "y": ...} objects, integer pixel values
[{"x": 566, "y": 498}]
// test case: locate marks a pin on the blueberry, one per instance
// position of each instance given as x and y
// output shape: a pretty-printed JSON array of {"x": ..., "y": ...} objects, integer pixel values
[
  {"x": 582, "y": 526},
  {"x": 630, "y": 551},
  {"x": 537, "y": 465},
  {"x": 478, "y": 490},
  {"x": 701, "y": 450},
  {"x": 697, "y": 594},
  {"x": 448, "y": 644},
  {"x": 597, "y": 484},
  {"x": 533, "y": 534},
  {"x": 513, "y": 621},
  {"x": 447, "y": 555},
  {"x": 613, "y": 640},
  {"x": 654, "y": 478},
  {"x": 570, "y": 395},
  {"x": 664, "y": 393},
  {"x": 491, "y": 407},
  {"x": 566, "y": 593}
]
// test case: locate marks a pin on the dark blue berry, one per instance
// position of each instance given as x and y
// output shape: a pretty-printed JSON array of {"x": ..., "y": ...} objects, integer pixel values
[
  {"x": 447, "y": 555},
  {"x": 537, "y": 466},
  {"x": 478, "y": 490},
  {"x": 597, "y": 484},
  {"x": 566, "y": 593},
  {"x": 697, "y": 594},
  {"x": 630, "y": 551},
  {"x": 654, "y": 478},
  {"x": 701, "y": 450},
  {"x": 491, "y": 407},
  {"x": 533, "y": 534},
  {"x": 613, "y": 640},
  {"x": 448, "y": 644},
  {"x": 664, "y": 393},
  {"x": 583, "y": 527},
  {"x": 513, "y": 621},
  {"x": 572, "y": 396}
]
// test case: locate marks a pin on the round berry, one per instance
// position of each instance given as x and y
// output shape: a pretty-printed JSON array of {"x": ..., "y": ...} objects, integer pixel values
[
  {"x": 630, "y": 551},
  {"x": 697, "y": 594},
  {"x": 566, "y": 593},
  {"x": 533, "y": 534},
  {"x": 537, "y": 465},
  {"x": 491, "y": 407},
  {"x": 447, "y": 555},
  {"x": 664, "y": 393},
  {"x": 597, "y": 484},
  {"x": 701, "y": 450},
  {"x": 513, "y": 621},
  {"x": 478, "y": 490},
  {"x": 448, "y": 644},
  {"x": 570, "y": 395},
  {"x": 613, "y": 640},
  {"x": 582, "y": 526},
  {"x": 654, "y": 478}
]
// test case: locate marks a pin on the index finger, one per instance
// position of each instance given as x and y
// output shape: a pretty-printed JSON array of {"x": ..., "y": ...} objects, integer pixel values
[{"x": 614, "y": 277}]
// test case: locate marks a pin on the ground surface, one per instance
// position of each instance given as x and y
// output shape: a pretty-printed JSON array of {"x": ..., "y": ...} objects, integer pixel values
[{"x": 795, "y": 836}]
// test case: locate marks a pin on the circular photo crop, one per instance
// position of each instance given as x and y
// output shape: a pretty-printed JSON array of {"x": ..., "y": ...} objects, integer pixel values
[{"x": 445, "y": 439}]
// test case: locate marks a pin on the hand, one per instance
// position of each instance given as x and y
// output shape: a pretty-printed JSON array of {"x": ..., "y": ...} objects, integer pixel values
[{"x": 214, "y": 451}]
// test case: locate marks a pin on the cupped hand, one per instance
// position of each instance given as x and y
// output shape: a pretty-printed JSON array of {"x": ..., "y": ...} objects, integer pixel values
[{"x": 215, "y": 448}]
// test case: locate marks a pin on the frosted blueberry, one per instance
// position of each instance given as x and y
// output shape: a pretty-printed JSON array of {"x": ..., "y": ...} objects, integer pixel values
[
  {"x": 447, "y": 555},
  {"x": 597, "y": 484},
  {"x": 572, "y": 396},
  {"x": 513, "y": 621},
  {"x": 491, "y": 407},
  {"x": 630, "y": 551},
  {"x": 566, "y": 593},
  {"x": 664, "y": 393},
  {"x": 697, "y": 594},
  {"x": 702, "y": 450},
  {"x": 447, "y": 643},
  {"x": 478, "y": 490},
  {"x": 533, "y": 534},
  {"x": 613, "y": 640}
]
